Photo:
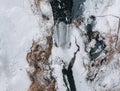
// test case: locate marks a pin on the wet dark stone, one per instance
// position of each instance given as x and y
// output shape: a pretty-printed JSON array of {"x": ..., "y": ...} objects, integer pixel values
[
  {"x": 103, "y": 60},
  {"x": 64, "y": 71},
  {"x": 93, "y": 17},
  {"x": 62, "y": 10},
  {"x": 92, "y": 78},
  {"x": 89, "y": 27},
  {"x": 99, "y": 44},
  {"x": 94, "y": 55},
  {"x": 70, "y": 78},
  {"x": 45, "y": 17}
]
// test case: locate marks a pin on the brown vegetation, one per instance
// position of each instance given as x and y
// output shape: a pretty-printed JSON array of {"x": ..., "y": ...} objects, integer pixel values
[
  {"x": 41, "y": 78},
  {"x": 78, "y": 21}
]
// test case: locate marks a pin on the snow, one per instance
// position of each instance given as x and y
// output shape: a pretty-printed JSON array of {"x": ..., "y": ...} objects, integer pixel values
[
  {"x": 105, "y": 12},
  {"x": 66, "y": 54},
  {"x": 18, "y": 26},
  {"x": 58, "y": 66},
  {"x": 17, "y": 29},
  {"x": 79, "y": 71}
]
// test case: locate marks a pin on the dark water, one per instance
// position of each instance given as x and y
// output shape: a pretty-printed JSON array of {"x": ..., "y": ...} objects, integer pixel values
[
  {"x": 78, "y": 8},
  {"x": 70, "y": 79},
  {"x": 69, "y": 73},
  {"x": 62, "y": 10},
  {"x": 67, "y": 10}
]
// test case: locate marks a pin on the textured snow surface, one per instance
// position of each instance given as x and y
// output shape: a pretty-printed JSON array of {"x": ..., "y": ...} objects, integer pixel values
[
  {"x": 17, "y": 29},
  {"x": 107, "y": 20},
  {"x": 18, "y": 26}
]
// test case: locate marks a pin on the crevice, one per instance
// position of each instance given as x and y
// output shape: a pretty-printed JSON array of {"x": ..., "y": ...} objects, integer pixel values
[{"x": 69, "y": 73}]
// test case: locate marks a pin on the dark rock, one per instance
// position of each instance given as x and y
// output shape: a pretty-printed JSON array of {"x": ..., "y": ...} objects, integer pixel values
[
  {"x": 89, "y": 28},
  {"x": 62, "y": 10},
  {"x": 94, "y": 53}
]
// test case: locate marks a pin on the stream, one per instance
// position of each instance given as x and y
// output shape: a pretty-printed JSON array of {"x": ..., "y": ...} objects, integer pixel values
[{"x": 69, "y": 73}]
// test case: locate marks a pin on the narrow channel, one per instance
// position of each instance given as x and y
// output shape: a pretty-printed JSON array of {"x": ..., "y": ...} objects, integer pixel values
[
  {"x": 69, "y": 73},
  {"x": 66, "y": 11}
]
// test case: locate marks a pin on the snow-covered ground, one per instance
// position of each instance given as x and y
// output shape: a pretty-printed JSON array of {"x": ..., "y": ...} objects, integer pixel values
[
  {"x": 107, "y": 22},
  {"x": 19, "y": 25}
]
